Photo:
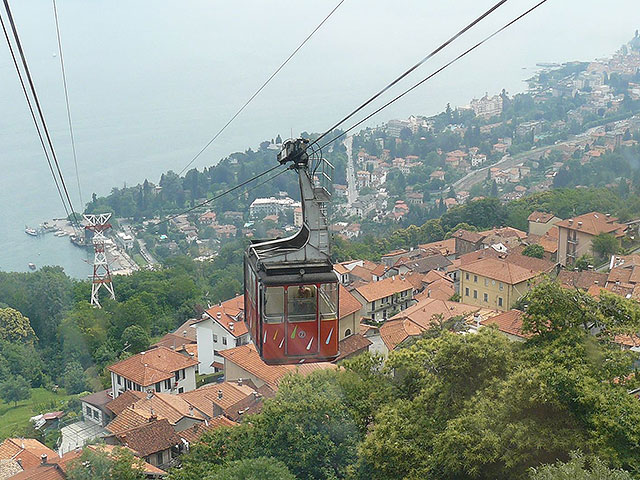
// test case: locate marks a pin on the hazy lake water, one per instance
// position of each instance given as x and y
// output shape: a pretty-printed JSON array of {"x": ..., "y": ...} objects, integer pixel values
[{"x": 151, "y": 81}]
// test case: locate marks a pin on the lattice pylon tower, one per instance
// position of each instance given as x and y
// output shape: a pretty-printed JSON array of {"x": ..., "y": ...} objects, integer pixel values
[{"x": 98, "y": 224}]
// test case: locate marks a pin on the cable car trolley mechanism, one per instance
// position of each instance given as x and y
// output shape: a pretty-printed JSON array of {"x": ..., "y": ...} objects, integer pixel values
[{"x": 291, "y": 291}]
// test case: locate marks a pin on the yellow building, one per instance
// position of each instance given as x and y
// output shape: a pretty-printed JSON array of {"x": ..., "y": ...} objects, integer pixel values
[{"x": 499, "y": 282}]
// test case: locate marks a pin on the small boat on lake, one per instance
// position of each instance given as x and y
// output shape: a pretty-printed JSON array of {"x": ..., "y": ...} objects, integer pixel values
[
  {"x": 32, "y": 266},
  {"x": 31, "y": 231}
]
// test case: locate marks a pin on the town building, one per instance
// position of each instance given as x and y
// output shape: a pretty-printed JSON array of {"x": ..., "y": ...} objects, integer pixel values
[
  {"x": 261, "y": 207},
  {"x": 575, "y": 235},
  {"x": 498, "y": 282},
  {"x": 487, "y": 106},
  {"x": 160, "y": 370},
  {"x": 243, "y": 363},
  {"x": 221, "y": 327},
  {"x": 383, "y": 299},
  {"x": 541, "y": 222}
]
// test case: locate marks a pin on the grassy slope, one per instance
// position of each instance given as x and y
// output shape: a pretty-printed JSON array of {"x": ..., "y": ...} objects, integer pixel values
[{"x": 14, "y": 419}]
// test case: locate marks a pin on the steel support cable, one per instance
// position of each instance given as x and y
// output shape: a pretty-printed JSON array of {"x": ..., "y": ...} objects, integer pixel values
[
  {"x": 226, "y": 192},
  {"x": 38, "y": 107},
  {"x": 462, "y": 55},
  {"x": 66, "y": 99},
  {"x": 413, "y": 68},
  {"x": 261, "y": 88},
  {"x": 33, "y": 114}
]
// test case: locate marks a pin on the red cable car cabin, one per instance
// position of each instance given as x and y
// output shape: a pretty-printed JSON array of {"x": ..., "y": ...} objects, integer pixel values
[{"x": 291, "y": 290}]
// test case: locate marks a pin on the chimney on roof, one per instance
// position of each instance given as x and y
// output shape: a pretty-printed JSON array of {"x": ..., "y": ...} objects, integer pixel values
[
  {"x": 608, "y": 215},
  {"x": 240, "y": 382},
  {"x": 579, "y": 224},
  {"x": 43, "y": 459},
  {"x": 191, "y": 412},
  {"x": 571, "y": 221},
  {"x": 218, "y": 315},
  {"x": 184, "y": 333},
  {"x": 231, "y": 326},
  {"x": 477, "y": 318},
  {"x": 219, "y": 394}
]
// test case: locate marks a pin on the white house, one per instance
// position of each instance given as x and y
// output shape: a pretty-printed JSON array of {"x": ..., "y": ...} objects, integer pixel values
[
  {"x": 160, "y": 369},
  {"x": 221, "y": 327}
]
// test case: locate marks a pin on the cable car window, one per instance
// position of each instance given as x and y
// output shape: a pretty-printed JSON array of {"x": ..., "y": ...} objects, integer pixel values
[
  {"x": 302, "y": 303},
  {"x": 274, "y": 304},
  {"x": 328, "y": 301}
]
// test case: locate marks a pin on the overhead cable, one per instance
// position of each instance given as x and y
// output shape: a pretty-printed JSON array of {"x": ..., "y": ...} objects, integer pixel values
[
  {"x": 66, "y": 99},
  {"x": 462, "y": 55},
  {"x": 260, "y": 89}
]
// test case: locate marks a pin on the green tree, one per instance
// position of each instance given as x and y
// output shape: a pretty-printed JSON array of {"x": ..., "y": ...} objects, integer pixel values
[
  {"x": 136, "y": 338},
  {"x": 584, "y": 262},
  {"x": 605, "y": 245},
  {"x": 534, "y": 250},
  {"x": 579, "y": 468},
  {"x": 15, "y": 327},
  {"x": 15, "y": 389},
  {"x": 74, "y": 378},
  {"x": 261, "y": 468},
  {"x": 99, "y": 464}
]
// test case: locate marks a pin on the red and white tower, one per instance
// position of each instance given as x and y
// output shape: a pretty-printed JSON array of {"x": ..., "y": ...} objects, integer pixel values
[{"x": 98, "y": 224}]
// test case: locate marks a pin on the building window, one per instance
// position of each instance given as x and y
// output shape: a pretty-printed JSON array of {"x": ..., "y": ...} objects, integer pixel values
[
  {"x": 180, "y": 390},
  {"x": 373, "y": 305},
  {"x": 500, "y": 286},
  {"x": 158, "y": 387},
  {"x": 466, "y": 291},
  {"x": 177, "y": 375},
  {"x": 475, "y": 294},
  {"x": 88, "y": 410},
  {"x": 128, "y": 384},
  {"x": 486, "y": 297},
  {"x": 96, "y": 414},
  {"x": 384, "y": 314},
  {"x": 119, "y": 380},
  {"x": 466, "y": 276},
  {"x": 167, "y": 384},
  {"x": 486, "y": 282},
  {"x": 499, "y": 301},
  {"x": 215, "y": 338},
  {"x": 475, "y": 278},
  {"x": 347, "y": 332},
  {"x": 184, "y": 373},
  {"x": 224, "y": 340},
  {"x": 373, "y": 316},
  {"x": 159, "y": 458}
]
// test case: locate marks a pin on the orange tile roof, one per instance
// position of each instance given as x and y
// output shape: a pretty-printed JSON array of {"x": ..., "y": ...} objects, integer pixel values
[
  {"x": 466, "y": 235},
  {"x": 27, "y": 450},
  {"x": 193, "y": 434},
  {"x": 222, "y": 394},
  {"x": 124, "y": 400},
  {"x": 446, "y": 247},
  {"x": 594, "y": 223},
  {"x": 582, "y": 280},
  {"x": 348, "y": 304},
  {"x": 511, "y": 269},
  {"x": 340, "y": 269},
  {"x": 187, "y": 327},
  {"x": 435, "y": 275},
  {"x": 362, "y": 273},
  {"x": 229, "y": 315},
  {"x": 440, "y": 289},
  {"x": 508, "y": 322},
  {"x": 394, "y": 332},
  {"x": 41, "y": 472},
  {"x": 150, "y": 438},
  {"x": 384, "y": 288},
  {"x": 165, "y": 405},
  {"x": 540, "y": 217},
  {"x": 423, "y": 312},
  {"x": 155, "y": 365},
  {"x": 247, "y": 358},
  {"x": 352, "y": 345},
  {"x": 173, "y": 341},
  {"x": 505, "y": 232},
  {"x": 126, "y": 420}
]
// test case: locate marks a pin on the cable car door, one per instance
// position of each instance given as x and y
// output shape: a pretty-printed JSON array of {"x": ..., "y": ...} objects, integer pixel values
[{"x": 302, "y": 324}]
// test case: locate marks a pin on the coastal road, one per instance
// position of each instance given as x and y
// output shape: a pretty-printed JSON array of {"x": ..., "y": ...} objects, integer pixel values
[
  {"x": 145, "y": 253},
  {"x": 352, "y": 191}
]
